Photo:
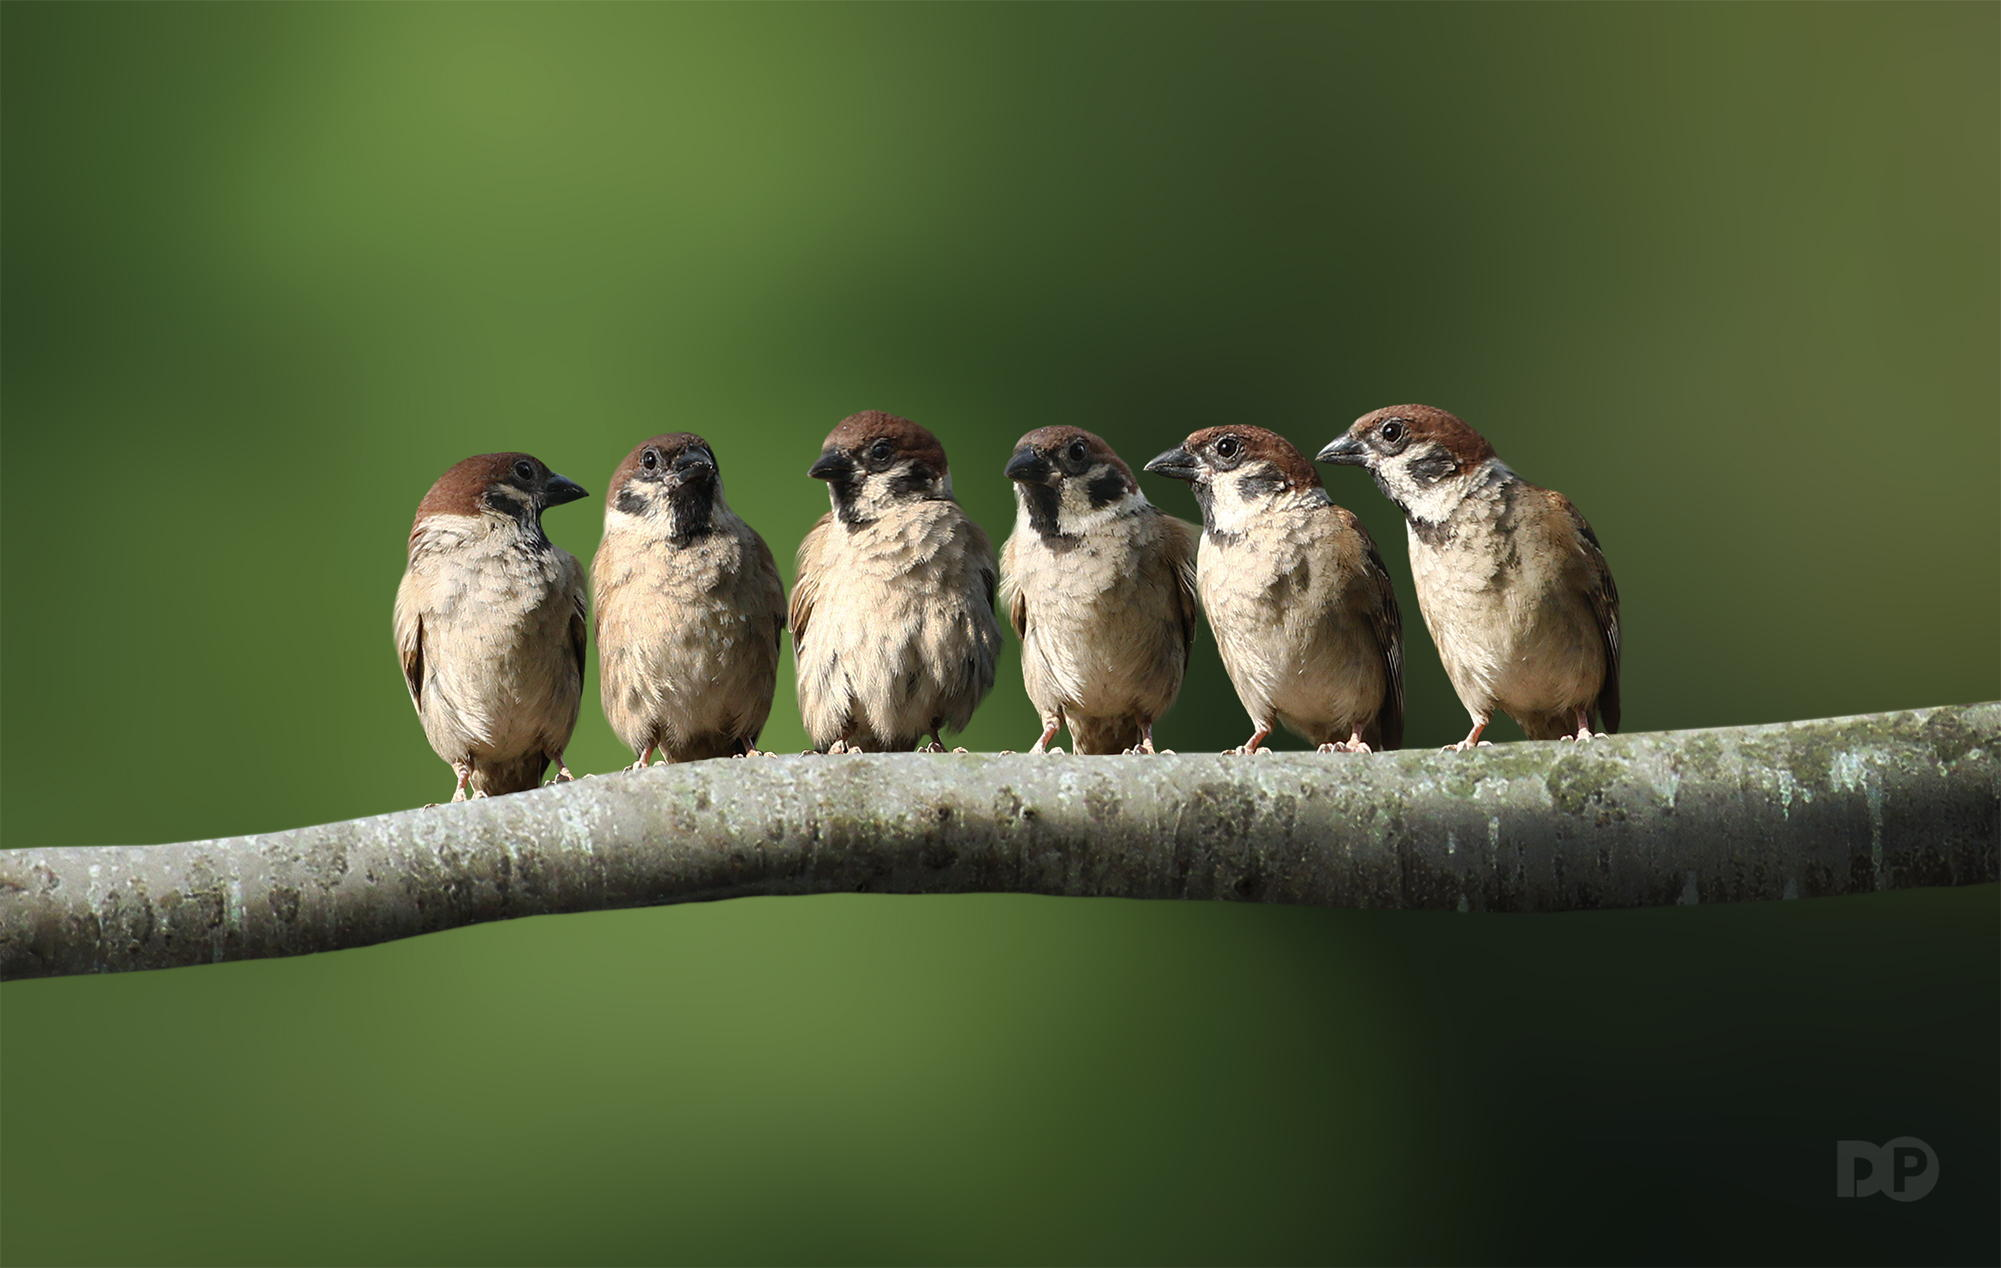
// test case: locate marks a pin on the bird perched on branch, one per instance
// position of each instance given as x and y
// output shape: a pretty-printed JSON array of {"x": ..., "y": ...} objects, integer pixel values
[
  {"x": 893, "y": 608},
  {"x": 1301, "y": 604},
  {"x": 490, "y": 624},
  {"x": 1100, "y": 584},
  {"x": 1511, "y": 580},
  {"x": 690, "y": 608}
]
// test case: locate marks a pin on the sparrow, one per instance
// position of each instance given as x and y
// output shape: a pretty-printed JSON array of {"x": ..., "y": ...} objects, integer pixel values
[
  {"x": 892, "y": 610},
  {"x": 1512, "y": 582},
  {"x": 1100, "y": 585},
  {"x": 690, "y": 609},
  {"x": 1299, "y": 600},
  {"x": 490, "y": 624}
]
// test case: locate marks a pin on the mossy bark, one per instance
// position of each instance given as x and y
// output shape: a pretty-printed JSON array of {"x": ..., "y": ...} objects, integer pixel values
[{"x": 1839, "y": 806}]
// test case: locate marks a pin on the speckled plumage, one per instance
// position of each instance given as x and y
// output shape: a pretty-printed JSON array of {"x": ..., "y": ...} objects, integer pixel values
[
  {"x": 491, "y": 624},
  {"x": 1100, "y": 585},
  {"x": 1302, "y": 607},
  {"x": 691, "y": 610},
  {"x": 892, "y": 610},
  {"x": 1513, "y": 585}
]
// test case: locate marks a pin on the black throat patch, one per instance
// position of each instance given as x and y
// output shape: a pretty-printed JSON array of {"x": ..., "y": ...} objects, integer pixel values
[
  {"x": 691, "y": 507},
  {"x": 1042, "y": 501}
]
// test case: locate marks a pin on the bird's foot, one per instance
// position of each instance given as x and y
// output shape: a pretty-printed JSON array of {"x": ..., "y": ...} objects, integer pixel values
[
  {"x": 1463, "y": 745},
  {"x": 1332, "y": 748},
  {"x": 962, "y": 749},
  {"x": 933, "y": 747},
  {"x": 638, "y": 765}
]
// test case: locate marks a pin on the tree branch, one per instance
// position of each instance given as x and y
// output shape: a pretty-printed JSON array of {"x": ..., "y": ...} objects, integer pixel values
[{"x": 1841, "y": 806}]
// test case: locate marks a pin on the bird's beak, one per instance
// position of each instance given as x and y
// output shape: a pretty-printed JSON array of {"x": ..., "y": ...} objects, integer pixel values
[
  {"x": 1027, "y": 466},
  {"x": 1176, "y": 463},
  {"x": 832, "y": 465},
  {"x": 1345, "y": 451},
  {"x": 562, "y": 489},
  {"x": 694, "y": 464}
]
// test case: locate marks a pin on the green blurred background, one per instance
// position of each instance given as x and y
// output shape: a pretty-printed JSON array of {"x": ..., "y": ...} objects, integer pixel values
[{"x": 1727, "y": 275}]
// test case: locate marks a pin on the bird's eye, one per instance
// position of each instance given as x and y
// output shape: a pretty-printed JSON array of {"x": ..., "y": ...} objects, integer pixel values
[
  {"x": 882, "y": 450},
  {"x": 650, "y": 459},
  {"x": 1229, "y": 447},
  {"x": 1077, "y": 451},
  {"x": 1393, "y": 431},
  {"x": 524, "y": 470}
]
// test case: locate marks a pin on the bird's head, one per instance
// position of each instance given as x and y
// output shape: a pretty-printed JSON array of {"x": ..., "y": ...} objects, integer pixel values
[
  {"x": 1066, "y": 480},
  {"x": 874, "y": 462},
  {"x": 1238, "y": 472},
  {"x": 670, "y": 481},
  {"x": 1422, "y": 458}
]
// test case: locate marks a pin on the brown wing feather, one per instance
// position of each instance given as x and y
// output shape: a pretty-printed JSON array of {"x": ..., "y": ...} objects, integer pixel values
[
  {"x": 410, "y": 650},
  {"x": 580, "y": 626},
  {"x": 982, "y": 548},
  {"x": 1010, "y": 590},
  {"x": 806, "y": 584},
  {"x": 1386, "y": 621},
  {"x": 767, "y": 567},
  {"x": 1179, "y": 539},
  {"x": 1604, "y": 598}
]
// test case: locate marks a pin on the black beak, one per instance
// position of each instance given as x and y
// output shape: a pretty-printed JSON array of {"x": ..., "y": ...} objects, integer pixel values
[
  {"x": 1176, "y": 463},
  {"x": 832, "y": 465},
  {"x": 562, "y": 489},
  {"x": 694, "y": 464},
  {"x": 1028, "y": 466},
  {"x": 1345, "y": 451}
]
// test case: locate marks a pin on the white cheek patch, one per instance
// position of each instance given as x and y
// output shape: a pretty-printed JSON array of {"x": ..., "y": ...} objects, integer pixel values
[
  {"x": 1431, "y": 501},
  {"x": 1080, "y": 517}
]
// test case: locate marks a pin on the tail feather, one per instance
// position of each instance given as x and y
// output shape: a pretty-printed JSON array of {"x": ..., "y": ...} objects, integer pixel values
[{"x": 517, "y": 774}]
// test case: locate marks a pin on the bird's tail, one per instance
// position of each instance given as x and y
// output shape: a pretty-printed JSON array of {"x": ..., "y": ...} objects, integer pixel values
[
  {"x": 1102, "y": 735},
  {"x": 517, "y": 774}
]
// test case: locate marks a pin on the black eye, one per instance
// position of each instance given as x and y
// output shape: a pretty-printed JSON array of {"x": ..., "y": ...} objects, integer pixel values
[
  {"x": 524, "y": 470},
  {"x": 650, "y": 459},
  {"x": 1393, "y": 431},
  {"x": 1077, "y": 451},
  {"x": 882, "y": 450},
  {"x": 1229, "y": 447}
]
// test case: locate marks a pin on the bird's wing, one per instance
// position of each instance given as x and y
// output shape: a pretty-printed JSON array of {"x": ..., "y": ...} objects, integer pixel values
[
  {"x": 1180, "y": 539},
  {"x": 1603, "y": 596},
  {"x": 1386, "y": 623},
  {"x": 1010, "y": 588},
  {"x": 773, "y": 585},
  {"x": 806, "y": 584},
  {"x": 981, "y": 548},
  {"x": 580, "y": 616},
  {"x": 410, "y": 645}
]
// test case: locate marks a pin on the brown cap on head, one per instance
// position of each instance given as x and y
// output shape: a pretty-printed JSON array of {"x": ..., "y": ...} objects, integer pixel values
[
  {"x": 1426, "y": 422},
  {"x": 857, "y": 431},
  {"x": 666, "y": 451},
  {"x": 1253, "y": 444},
  {"x": 1056, "y": 441},
  {"x": 461, "y": 490}
]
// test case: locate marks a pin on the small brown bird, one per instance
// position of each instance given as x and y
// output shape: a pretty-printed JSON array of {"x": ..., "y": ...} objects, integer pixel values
[
  {"x": 690, "y": 609},
  {"x": 490, "y": 624},
  {"x": 1299, "y": 599},
  {"x": 1511, "y": 580},
  {"x": 1100, "y": 584},
  {"x": 893, "y": 607}
]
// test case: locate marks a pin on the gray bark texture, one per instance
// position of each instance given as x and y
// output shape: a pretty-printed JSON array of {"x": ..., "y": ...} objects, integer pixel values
[{"x": 1802, "y": 809}]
